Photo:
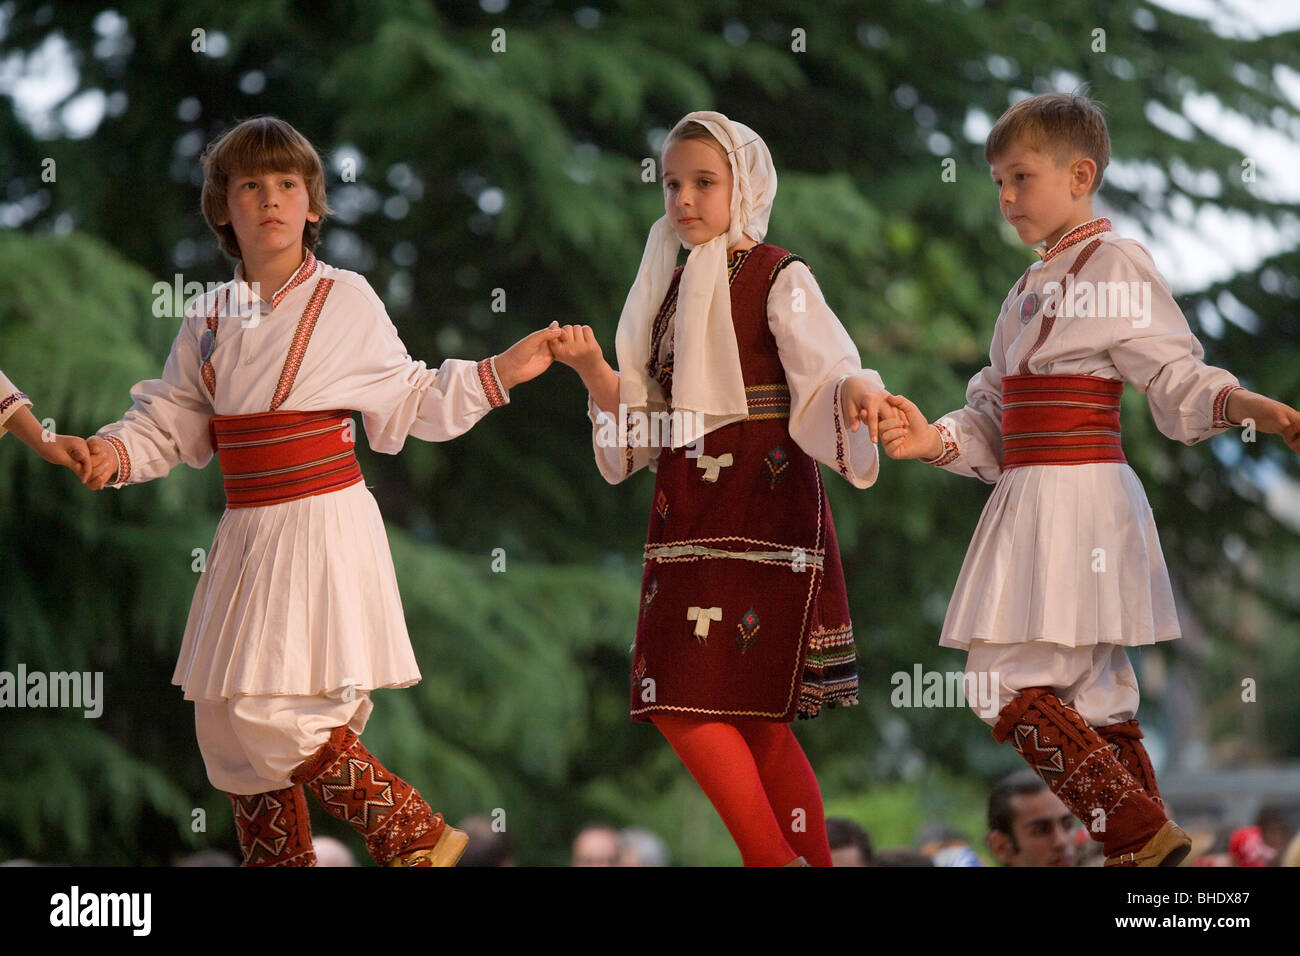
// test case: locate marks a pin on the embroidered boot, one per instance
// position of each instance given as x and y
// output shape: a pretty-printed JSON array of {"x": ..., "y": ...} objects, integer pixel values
[
  {"x": 399, "y": 828},
  {"x": 1082, "y": 770},
  {"x": 1123, "y": 739},
  {"x": 274, "y": 828}
]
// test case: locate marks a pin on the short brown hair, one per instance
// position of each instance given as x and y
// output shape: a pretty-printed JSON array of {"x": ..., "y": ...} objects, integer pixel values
[
  {"x": 1063, "y": 124},
  {"x": 263, "y": 144}
]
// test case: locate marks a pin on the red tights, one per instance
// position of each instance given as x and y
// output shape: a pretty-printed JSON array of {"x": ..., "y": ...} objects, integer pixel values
[{"x": 758, "y": 779}]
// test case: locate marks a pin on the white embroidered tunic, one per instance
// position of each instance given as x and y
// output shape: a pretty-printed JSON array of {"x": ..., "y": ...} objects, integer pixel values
[
  {"x": 298, "y": 597},
  {"x": 1069, "y": 553}
]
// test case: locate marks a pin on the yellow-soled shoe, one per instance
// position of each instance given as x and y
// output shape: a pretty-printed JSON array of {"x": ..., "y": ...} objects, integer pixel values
[
  {"x": 451, "y": 844},
  {"x": 1168, "y": 847}
]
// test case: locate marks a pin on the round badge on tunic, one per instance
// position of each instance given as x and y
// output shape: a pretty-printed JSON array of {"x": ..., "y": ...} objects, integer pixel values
[
  {"x": 207, "y": 342},
  {"x": 1029, "y": 307}
]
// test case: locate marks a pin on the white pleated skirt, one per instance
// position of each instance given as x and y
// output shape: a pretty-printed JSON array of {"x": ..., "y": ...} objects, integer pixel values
[
  {"x": 1067, "y": 554},
  {"x": 297, "y": 598}
]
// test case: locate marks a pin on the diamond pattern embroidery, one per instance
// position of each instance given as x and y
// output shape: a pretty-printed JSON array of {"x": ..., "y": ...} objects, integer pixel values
[
  {"x": 777, "y": 461},
  {"x": 373, "y": 797},
  {"x": 747, "y": 630},
  {"x": 661, "y": 504},
  {"x": 1043, "y": 759},
  {"x": 258, "y": 823}
]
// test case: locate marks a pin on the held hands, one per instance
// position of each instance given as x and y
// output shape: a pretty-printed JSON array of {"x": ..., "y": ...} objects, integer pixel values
[
  {"x": 65, "y": 450},
  {"x": 527, "y": 358},
  {"x": 861, "y": 404},
  {"x": 577, "y": 348},
  {"x": 1269, "y": 416},
  {"x": 103, "y": 464},
  {"x": 70, "y": 452},
  {"x": 909, "y": 434}
]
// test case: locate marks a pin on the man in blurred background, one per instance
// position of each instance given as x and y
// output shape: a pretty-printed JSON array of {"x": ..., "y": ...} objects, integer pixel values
[{"x": 1028, "y": 825}]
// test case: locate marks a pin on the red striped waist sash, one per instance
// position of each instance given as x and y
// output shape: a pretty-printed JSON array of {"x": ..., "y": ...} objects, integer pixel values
[
  {"x": 269, "y": 458},
  {"x": 1060, "y": 420}
]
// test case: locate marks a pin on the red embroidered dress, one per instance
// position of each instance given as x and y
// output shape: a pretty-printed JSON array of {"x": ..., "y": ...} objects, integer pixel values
[{"x": 743, "y": 611}]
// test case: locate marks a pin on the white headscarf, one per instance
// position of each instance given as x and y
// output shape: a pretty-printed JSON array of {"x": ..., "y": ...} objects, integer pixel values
[{"x": 708, "y": 387}]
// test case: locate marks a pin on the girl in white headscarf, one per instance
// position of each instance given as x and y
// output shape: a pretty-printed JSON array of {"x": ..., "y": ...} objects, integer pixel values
[{"x": 734, "y": 379}]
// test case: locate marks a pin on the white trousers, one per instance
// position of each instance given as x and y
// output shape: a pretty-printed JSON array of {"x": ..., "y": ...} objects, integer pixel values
[
  {"x": 253, "y": 744},
  {"x": 1096, "y": 680}
]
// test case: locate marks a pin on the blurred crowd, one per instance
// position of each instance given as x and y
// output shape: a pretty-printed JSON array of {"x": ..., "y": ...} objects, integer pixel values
[{"x": 1026, "y": 826}]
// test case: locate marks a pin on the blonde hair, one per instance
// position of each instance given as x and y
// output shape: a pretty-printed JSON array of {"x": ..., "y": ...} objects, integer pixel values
[
  {"x": 263, "y": 144},
  {"x": 1063, "y": 124}
]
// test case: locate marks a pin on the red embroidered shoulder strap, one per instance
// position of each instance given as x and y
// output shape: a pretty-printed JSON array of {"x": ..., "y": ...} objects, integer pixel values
[
  {"x": 301, "y": 336},
  {"x": 1050, "y": 320},
  {"x": 1023, "y": 279},
  {"x": 207, "y": 343}
]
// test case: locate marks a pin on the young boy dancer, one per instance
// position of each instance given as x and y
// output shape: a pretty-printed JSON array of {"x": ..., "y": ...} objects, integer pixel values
[
  {"x": 1065, "y": 568},
  {"x": 297, "y": 616}
]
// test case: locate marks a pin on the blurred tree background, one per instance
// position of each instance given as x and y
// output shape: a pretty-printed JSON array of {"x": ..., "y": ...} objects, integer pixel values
[{"x": 499, "y": 145}]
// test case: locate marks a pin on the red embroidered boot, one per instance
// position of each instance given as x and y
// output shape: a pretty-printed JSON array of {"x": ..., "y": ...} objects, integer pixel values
[
  {"x": 1123, "y": 740},
  {"x": 1082, "y": 770},
  {"x": 274, "y": 828},
  {"x": 400, "y": 829}
]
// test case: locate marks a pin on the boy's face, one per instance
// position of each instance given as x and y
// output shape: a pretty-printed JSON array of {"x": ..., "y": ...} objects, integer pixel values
[
  {"x": 1042, "y": 197},
  {"x": 697, "y": 190},
  {"x": 268, "y": 212}
]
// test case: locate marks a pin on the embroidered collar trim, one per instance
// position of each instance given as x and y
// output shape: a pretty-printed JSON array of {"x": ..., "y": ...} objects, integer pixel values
[
  {"x": 1089, "y": 229},
  {"x": 303, "y": 273}
]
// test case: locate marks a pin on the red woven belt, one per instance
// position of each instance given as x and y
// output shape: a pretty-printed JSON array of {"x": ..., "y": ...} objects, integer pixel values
[
  {"x": 1060, "y": 420},
  {"x": 273, "y": 457}
]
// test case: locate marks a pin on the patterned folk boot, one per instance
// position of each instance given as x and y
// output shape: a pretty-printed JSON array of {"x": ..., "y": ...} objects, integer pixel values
[
  {"x": 399, "y": 828},
  {"x": 1123, "y": 740},
  {"x": 1082, "y": 770},
  {"x": 274, "y": 828}
]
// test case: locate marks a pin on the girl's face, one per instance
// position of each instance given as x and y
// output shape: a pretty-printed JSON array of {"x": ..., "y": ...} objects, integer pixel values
[{"x": 697, "y": 190}]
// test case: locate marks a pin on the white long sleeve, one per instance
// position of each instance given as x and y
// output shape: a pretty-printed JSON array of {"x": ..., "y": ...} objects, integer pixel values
[
  {"x": 1158, "y": 354},
  {"x": 616, "y": 462},
  {"x": 818, "y": 355},
  {"x": 353, "y": 361},
  {"x": 359, "y": 363},
  {"x": 972, "y": 435},
  {"x": 10, "y": 401},
  {"x": 167, "y": 423}
]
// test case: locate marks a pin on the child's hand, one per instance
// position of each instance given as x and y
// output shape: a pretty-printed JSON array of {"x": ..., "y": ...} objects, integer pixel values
[
  {"x": 1269, "y": 416},
  {"x": 103, "y": 464},
  {"x": 66, "y": 450},
  {"x": 527, "y": 358},
  {"x": 861, "y": 404},
  {"x": 909, "y": 434},
  {"x": 577, "y": 348}
]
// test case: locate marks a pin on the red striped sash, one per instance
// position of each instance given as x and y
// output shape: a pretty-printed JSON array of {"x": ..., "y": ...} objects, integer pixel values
[
  {"x": 1060, "y": 420},
  {"x": 268, "y": 458}
]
